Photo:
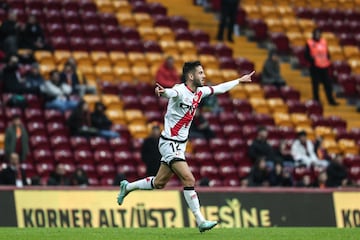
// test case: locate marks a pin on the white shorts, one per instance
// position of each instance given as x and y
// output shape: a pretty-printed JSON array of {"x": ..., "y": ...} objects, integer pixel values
[{"x": 171, "y": 150}]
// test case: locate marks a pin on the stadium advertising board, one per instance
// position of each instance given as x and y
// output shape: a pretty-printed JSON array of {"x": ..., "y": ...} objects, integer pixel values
[
  {"x": 7, "y": 209},
  {"x": 58, "y": 208},
  {"x": 265, "y": 209},
  {"x": 347, "y": 209}
]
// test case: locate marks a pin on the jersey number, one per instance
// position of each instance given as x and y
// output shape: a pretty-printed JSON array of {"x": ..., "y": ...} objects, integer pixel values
[{"x": 175, "y": 146}]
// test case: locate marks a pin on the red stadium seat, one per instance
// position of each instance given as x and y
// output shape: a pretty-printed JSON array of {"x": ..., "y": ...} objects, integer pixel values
[
  {"x": 98, "y": 143},
  {"x": 157, "y": 9},
  {"x": 103, "y": 156},
  {"x": 105, "y": 169},
  {"x": 44, "y": 168},
  {"x": 209, "y": 170},
  {"x": 81, "y": 156},
  {"x": 42, "y": 155},
  {"x": 38, "y": 141},
  {"x": 36, "y": 128},
  {"x": 59, "y": 142},
  {"x": 203, "y": 158},
  {"x": 123, "y": 156},
  {"x": 34, "y": 115},
  {"x": 63, "y": 155}
]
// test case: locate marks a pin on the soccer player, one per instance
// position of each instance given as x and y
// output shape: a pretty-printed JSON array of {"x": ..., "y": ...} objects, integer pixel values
[{"x": 183, "y": 98}]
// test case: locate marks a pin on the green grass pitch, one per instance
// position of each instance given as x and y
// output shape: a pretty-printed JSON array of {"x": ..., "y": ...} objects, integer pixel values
[{"x": 181, "y": 233}]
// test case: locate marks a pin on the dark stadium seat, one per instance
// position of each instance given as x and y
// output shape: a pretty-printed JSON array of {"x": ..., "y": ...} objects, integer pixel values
[
  {"x": 105, "y": 169},
  {"x": 87, "y": 6},
  {"x": 152, "y": 46},
  {"x": 260, "y": 29},
  {"x": 314, "y": 108},
  {"x": 288, "y": 93},
  {"x": 129, "y": 170},
  {"x": 203, "y": 157},
  {"x": 222, "y": 50},
  {"x": 119, "y": 143},
  {"x": 205, "y": 48},
  {"x": 281, "y": 42},
  {"x": 34, "y": 115},
  {"x": 44, "y": 168},
  {"x": 223, "y": 157},
  {"x": 83, "y": 155},
  {"x": 199, "y": 36},
  {"x": 228, "y": 117},
  {"x": 57, "y": 128},
  {"x": 108, "y": 19},
  {"x": 157, "y": 8},
  {"x": 71, "y": 17},
  {"x": 59, "y": 142},
  {"x": 123, "y": 156},
  {"x": 36, "y": 141},
  {"x": 42, "y": 155},
  {"x": 232, "y": 130},
  {"x": 209, "y": 170},
  {"x": 295, "y": 106},
  {"x": 99, "y": 143},
  {"x": 244, "y": 170},
  {"x": 218, "y": 144},
  {"x": 242, "y": 105},
  {"x": 36, "y": 128},
  {"x": 178, "y": 22},
  {"x": 63, "y": 155}
]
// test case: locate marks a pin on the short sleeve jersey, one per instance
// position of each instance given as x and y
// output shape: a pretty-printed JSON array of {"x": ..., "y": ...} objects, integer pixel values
[{"x": 181, "y": 110}]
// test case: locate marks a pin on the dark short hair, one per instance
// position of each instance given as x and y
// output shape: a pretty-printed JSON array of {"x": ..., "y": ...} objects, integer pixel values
[
  {"x": 53, "y": 72},
  {"x": 301, "y": 134},
  {"x": 261, "y": 128},
  {"x": 189, "y": 67},
  {"x": 15, "y": 116}
]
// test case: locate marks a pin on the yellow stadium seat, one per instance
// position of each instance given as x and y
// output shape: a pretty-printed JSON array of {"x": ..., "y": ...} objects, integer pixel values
[
  {"x": 331, "y": 146},
  {"x": 100, "y": 58},
  {"x": 346, "y": 4},
  {"x": 105, "y": 6},
  {"x": 300, "y": 120},
  {"x": 330, "y": 37},
  {"x": 348, "y": 146},
  {"x": 252, "y": 11},
  {"x": 214, "y": 75},
  {"x": 119, "y": 59},
  {"x": 325, "y": 132},
  {"x": 306, "y": 25},
  {"x": 169, "y": 47},
  {"x": 336, "y": 53},
  {"x": 351, "y": 52},
  {"x": 259, "y": 105},
  {"x": 123, "y": 74},
  {"x": 355, "y": 65},
  {"x": 104, "y": 73},
  {"x": 137, "y": 59},
  {"x": 229, "y": 74},
  {"x": 330, "y": 4},
  {"x": 44, "y": 56},
  {"x": 310, "y": 134},
  {"x": 91, "y": 99},
  {"x": 277, "y": 105},
  {"x": 238, "y": 92},
  {"x": 300, "y": 3},
  {"x": 275, "y": 25},
  {"x": 165, "y": 33},
  {"x": 142, "y": 74},
  {"x": 143, "y": 20},
  {"x": 138, "y": 130},
  {"x": 126, "y": 19},
  {"x": 61, "y": 56},
  {"x": 154, "y": 59},
  {"x": 186, "y": 47},
  {"x": 249, "y": 2},
  {"x": 291, "y": 24},
  {"x": 296, "y": 39},
  {"x": 134, "y": 116},
  {"x": 209, "y": 61},
  {"x": 269, "y": 12},
  {"x": 254, "y": 90},
  {"x": 284, "y": 9},
  {"x": 79, "y": 55},
  {"x": 2, "y": 140},
  {"x": 267, "y": 3},
  {"x": 117, "y": 116},
  {"x": 122, "y": 6},
  {"x": 148, "y": 33},
  {"x": 315, "y": 4},
  {"x": 112, "y": 101},
  {"x": 283, "y": 119},
  {"x": 46, "y": 68},
  {"x": 189, "y": 57}
]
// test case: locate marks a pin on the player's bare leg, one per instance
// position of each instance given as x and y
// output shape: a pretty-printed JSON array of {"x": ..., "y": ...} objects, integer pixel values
[
  {"x": 182, "y": 170},
  {"x": 162, "y": 177}
]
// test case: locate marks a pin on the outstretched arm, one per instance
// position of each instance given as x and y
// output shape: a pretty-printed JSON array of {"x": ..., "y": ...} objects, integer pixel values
[
  {"x": 160, "y": 91},
  {"x": 226, "y": 86}
]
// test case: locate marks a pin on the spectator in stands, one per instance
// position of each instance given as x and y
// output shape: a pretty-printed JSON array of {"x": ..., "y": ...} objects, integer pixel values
[
  {"x": 79, "y": 178},
  {"x": 75, "y": 78},
  {"x": 200, "y": 127},
  {"x": 259, "y": 175},
  {"x": 58, "y": 177},
  {"x": 79, "y": 121},
  {"x": 9, "y": 33},
  {"x": 167, "y": 75},
  {"x": 271, "y": 71},
  {"x": 305, "y": 182},
  {"x": 32, "y": 35},
  {"x": 34, "y": 80},
  {"x": 261, "y": 148},
  {"x": 228, "y": 12},
  {"x": 57, "y": 93},
  {"x": 321, "y": 180},
  {"x": 280, "y": 177},
  {"x": 13, "y": 174},
  {"x": 317, "y": 54},
  {"x": 336, "y": 172},
  {"x": 303, "y": 151},
  {"x": 16, "y": 139},
  {"x": 284, "y": 153},
  {"x": 14, "y": 82},
  {"x": 150, "y": 154},
  {"x": 100, "y": 121}
]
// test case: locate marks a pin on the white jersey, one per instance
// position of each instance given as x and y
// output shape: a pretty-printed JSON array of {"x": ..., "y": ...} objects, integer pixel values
[{"x": 181, "y": 110}]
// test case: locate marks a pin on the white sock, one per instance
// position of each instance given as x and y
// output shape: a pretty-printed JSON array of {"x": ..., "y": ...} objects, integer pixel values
[
  {"x": 142, "y": 184},
  {"x": 193, "y": 203}
]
